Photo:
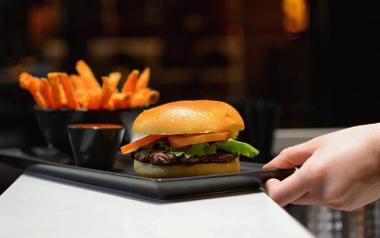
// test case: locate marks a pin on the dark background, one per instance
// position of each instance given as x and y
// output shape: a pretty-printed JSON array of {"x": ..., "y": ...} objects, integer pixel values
[{"x": 324, "y": 74}]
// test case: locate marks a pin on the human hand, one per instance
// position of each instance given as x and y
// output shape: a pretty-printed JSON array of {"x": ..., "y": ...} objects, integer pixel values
[{"x": 340, "y": 170}]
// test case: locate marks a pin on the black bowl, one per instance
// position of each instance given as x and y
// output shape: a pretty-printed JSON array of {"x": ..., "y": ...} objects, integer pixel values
[
  {"x": 95, "y": 145},
  {"x": 53, "y": 123}
]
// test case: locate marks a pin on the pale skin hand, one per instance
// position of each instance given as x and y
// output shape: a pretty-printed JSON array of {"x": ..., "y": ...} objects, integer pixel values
[{"x": 340, "y": 170}]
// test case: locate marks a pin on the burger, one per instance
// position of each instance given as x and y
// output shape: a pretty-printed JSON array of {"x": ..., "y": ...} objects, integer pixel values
[{"x": 188, "y": 138}]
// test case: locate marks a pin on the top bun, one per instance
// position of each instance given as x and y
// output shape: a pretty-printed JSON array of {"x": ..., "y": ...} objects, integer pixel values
[{"x": 187, "y": 117}]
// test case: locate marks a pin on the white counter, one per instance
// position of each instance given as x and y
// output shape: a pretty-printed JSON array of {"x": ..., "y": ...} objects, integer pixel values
[{"x": 40, "y": 207}]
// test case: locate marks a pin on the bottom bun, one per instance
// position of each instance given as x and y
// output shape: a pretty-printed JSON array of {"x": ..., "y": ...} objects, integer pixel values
[{"x": 156, "y": 171}]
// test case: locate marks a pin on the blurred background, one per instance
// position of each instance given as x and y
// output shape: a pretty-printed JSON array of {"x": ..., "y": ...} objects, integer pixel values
[
  {"x": 316, "y": 60},
  {"x": 300, "y": 63}
]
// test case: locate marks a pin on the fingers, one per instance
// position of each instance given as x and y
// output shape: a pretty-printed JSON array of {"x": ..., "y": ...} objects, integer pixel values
[
  {"x": 288, "y": 190},
  {"x": 295, "y": 187},
  {"x": 306, "y": 199},
  {"x": 292, "y": 156}
]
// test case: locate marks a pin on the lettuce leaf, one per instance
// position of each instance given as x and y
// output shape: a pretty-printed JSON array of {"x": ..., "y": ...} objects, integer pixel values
[
  {"x": 202, "y": 149},
  {"x": 238, "y": 148}
]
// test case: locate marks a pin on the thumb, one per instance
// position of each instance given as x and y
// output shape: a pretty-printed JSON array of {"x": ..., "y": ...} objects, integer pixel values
[{"x": 292, "y": 156}]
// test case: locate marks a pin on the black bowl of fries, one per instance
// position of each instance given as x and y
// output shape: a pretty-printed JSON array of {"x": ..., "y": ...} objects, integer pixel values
[{"x": 63, "y": 99}]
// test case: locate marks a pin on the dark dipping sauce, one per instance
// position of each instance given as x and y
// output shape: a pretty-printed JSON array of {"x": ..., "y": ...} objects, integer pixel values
[{"x": 162, "y": 157}]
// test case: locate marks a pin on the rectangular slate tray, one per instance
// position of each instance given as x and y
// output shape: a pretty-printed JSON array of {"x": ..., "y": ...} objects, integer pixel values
[{"x": 250, "y": 178}]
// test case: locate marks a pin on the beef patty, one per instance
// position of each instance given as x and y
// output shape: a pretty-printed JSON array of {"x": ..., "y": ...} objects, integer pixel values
[{"x": 162, "y": 157}]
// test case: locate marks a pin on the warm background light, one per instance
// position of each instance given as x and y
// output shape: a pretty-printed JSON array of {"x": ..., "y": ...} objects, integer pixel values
[{"x": 296, "y": 15}]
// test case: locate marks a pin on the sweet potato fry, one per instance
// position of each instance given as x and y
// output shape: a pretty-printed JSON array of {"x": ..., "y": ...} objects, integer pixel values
[
  {"x": 36, "y": 92},
  {"x": 145, "y": 97},
  {"x": 107, "y": 92},
  {"x": 82, "y": 98},
  {"x": 94, "y": 101},
  {"x": 53, "y": 74},
  {"x": 114, "y": 79},
  {"x": 29, "y": 82},
  {"x": 81, "y": 91},
  {"x": 46, "y": 92},
  {"x": 68, "y": 88},
  {"x": 33, "y": 85},
  {"x": 81, "y": 84},
  {"x": 39, "y": 99},
  {"x": 143, "y": 79},
  {"x": 63, "y": 96},
  {"x": 58, "y": 93},
  {"x": 78, "y": 82},
  {"x": 85, "y": 71},
  {"x": 154, "y": 96},
  {"x": 121, "y": 100},
  {"x": 24, "y": 80},
  {"x": 131, "y": 82},
  {"x": 116, "y": 101}
]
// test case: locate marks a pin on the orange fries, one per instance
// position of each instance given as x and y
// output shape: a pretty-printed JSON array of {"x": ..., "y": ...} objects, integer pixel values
[
  {"x": 33, "y": 85},
  {"x": 82, "y": 91},
  {"x": 130, "y": 84},
  {"x": 47, "y": 93}
]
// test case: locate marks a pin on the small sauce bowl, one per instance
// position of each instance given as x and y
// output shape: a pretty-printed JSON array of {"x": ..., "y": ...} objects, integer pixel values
[{"x": 95, "y": 145}]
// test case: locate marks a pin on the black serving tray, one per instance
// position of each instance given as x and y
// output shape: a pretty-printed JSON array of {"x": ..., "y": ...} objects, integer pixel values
[{"x": 51, "y": 163}]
